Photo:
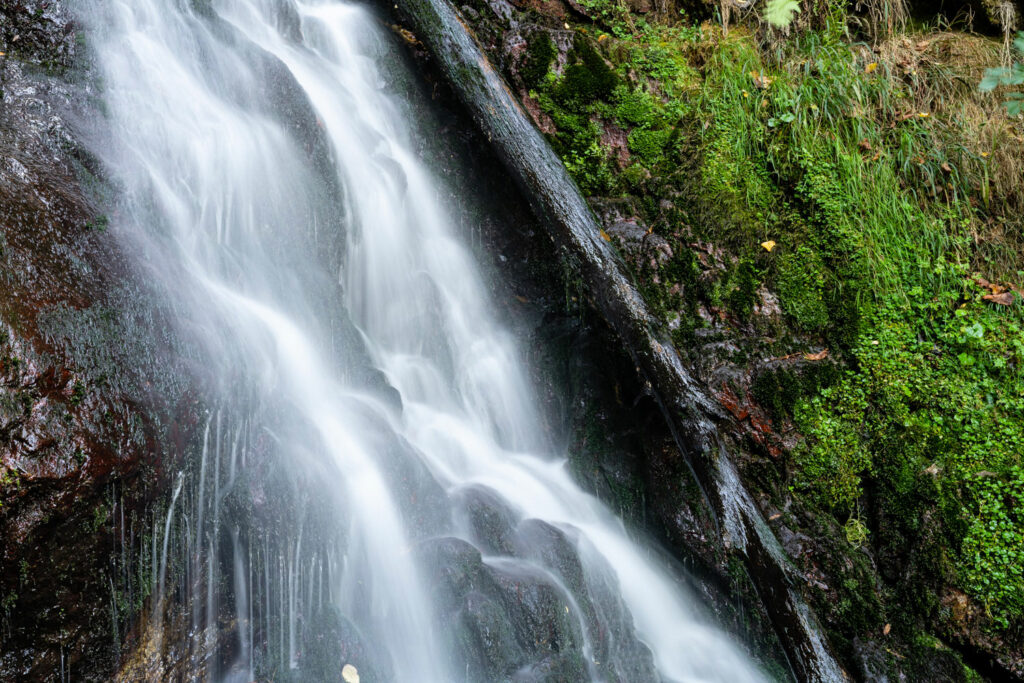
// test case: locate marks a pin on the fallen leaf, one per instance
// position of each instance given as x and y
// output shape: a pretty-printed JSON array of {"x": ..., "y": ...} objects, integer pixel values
[
  {"x": 946, "y": 167},
  {"x": 769, "y": 245},
  {"x": 885, "y": 631},
  {"x": 775, "y": 516},
  {"x": 522, "y": 299},
  {"x": 1004, "y": 299},
  {"x": 761, "y": 82},
  {"x": 923, "y": 45},
  {"x": 601, "y": 37},
  {"x": 605, "y": 236},
  {"x": 870, "y": 67},
  {"x": 820, "y": 355},
  {"x": 923, "y": 114},
  {"x": 566, "y": 26},
  {"x": 349, "y": 674},
  {"x": 865, "y": 145}
]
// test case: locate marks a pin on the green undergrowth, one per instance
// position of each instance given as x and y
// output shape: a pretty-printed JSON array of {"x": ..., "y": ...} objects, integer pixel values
[{"x": 888, "y": 190}]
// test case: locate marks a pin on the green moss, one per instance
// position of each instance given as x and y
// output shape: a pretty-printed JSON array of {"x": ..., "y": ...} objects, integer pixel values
[
  {"x": 801, "y": 287},
  {"x": 778, "y": 391},
  {"x": 540, "y": 53},
  {"x": 649, "y": 145},
  {"x": 587, "y": 77},
  {"x": 742, "y": 289}
]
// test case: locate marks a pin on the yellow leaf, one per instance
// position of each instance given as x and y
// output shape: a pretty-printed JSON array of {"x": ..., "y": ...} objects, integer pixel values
[
  {"x": 924, "y": 114},
  {"x": 746, "y": 94},
  {"x": 769, "y": 245},
  {"x": 870, "y": 67},
  {"x": 601, "y": 37},
  {"x": 605, "y": 236}
]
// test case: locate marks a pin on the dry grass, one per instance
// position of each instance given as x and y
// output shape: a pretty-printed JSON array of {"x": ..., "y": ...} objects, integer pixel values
[{"x": 942, "y": 71}]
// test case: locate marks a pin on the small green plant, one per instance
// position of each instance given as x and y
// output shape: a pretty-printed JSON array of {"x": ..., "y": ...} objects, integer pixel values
[
  {"x": 780, "y": 13},
  {"x": 99, "y": 224},
  {"x": 1008, "y": 76},
  {"x": 856, "y": 532},
  {"x": 77, "y": 393}
]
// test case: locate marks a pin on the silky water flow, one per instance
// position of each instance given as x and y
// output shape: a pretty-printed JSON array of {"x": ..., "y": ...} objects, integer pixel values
[{"x": 371, "y": 490}]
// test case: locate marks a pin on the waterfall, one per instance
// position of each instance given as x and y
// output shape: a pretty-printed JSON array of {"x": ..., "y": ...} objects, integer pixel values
[{"x": 371, "y": 446}]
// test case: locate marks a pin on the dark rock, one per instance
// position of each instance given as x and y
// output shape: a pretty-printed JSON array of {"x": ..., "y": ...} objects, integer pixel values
[
  {"x": 329, "y": 642},
  {"x": 487, "y": 517}
]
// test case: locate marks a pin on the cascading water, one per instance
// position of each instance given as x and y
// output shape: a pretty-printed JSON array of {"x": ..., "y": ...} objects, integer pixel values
[{"x": 373, "y": 489}]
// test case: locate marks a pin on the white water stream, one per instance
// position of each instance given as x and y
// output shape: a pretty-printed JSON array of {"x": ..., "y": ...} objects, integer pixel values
[{"x": 240, "y": 202}]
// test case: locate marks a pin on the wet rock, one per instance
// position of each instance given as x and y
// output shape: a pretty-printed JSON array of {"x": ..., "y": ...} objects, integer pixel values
[
  {"x": 38, "y": 31},
  {"x": 538, "y": 611},
  {"x": 489, "y": 642},
  {"x": 329, "y": 642},
  {"x": 488, "y": 518},
  {"x": 503, "y": 617},
  {"x": 94, "y": 399}
]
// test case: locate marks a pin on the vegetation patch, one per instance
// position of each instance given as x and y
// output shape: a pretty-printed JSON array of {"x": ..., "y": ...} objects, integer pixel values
[{"x": 852, "y": 171}]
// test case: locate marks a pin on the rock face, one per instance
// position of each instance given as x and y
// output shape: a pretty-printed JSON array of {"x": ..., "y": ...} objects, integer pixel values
[{"x": 89, "y": 395}]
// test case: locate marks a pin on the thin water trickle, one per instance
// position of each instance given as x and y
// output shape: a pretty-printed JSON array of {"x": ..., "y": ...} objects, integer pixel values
[{"x": 262, "y": 151}]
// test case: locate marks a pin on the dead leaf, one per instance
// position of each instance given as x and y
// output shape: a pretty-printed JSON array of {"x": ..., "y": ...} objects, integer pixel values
[
  {"x": 605, "y": 236},
  {"x": 769, "y": 245},
  {"x": 349, "y": 674},
  {"x": 522, "y": 299},
  {"x": 1003, "y": 299},
  {"x": 946, "y": 167},
  {"x": 761, "y": 82},
  {"x": 775, "y": 516},
  {"x": 865, "y": 145},
  {"x": 923, "y": 45},
  {"x": 820, "y": 355},
  {"x": 885, "y": 631}
]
